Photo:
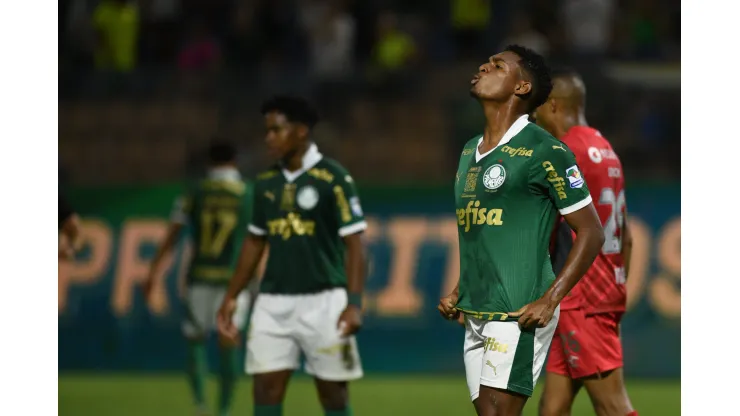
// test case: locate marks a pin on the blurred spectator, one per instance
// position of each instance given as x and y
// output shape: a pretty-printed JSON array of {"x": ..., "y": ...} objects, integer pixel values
[
  {"x": 201, "y": 52},
  {"x": 160, "y": 31},
  {"x": 394, "y": 49},
  {"x": 244, "y": 39},
  {"x": 588, "y": 26},
  {"x": 470, "y": 18},
  {"x": 393, "y": 55},
  {"x": 521, "y": 32},
  {"x": 284, "y": 41},
  {"x": 331, "y": 33},
  {"x": 646, "y": 25},
  {"x": 117, "y": 25}
]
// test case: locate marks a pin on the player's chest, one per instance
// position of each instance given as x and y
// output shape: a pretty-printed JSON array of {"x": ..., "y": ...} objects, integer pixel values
[
  {"x": 306, "y": 198},
  {"x": 495, "y": 177}
]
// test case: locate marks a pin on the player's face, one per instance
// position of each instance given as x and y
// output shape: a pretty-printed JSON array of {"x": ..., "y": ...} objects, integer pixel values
[
  {"x": 282, "y": 136},
  {"x": 499, "y": 78}
]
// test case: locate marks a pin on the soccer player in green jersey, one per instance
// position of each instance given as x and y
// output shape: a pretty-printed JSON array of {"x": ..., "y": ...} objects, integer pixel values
[
  {"x": 217, "y": 211},
  {"x": 512, "y": 182},
  {"x": 307, "y": 209}
]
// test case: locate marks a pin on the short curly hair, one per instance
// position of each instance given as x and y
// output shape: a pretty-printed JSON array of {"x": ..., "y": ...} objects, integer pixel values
[
  {"x": 538, "y": 72},
  {"x": 295, "y": 109}
]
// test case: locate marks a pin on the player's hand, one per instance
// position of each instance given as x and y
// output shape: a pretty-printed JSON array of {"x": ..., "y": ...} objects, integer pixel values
[
  {"x": 350, "y": 320},
  {"x": 224, "y": 321},
  {"x": 536, "y": 314},
  {"x": 447, "y": 308}
]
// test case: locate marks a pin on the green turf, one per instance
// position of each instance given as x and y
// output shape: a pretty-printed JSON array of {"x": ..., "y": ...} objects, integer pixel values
[{"x": 141, "y": 395}]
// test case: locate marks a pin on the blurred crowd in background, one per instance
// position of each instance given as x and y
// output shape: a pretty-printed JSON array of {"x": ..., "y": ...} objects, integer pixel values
[{"x": 145, "y": 85}]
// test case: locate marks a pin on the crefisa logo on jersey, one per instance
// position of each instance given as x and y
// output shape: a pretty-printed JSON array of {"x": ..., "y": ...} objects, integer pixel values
[
  {"x": 574, "y": 177},
  {"x": 307, "y": 197},
  {"x": 494, "y": 177}
]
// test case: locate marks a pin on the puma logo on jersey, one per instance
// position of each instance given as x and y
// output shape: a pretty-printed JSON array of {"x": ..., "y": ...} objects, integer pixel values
[{"x": 559, "y": 147}]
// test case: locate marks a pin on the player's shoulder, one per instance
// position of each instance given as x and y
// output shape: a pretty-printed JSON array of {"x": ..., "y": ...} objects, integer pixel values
[
  {"x": 470, "y": 146},
  {"x": 542, "y": 141},
  {"x": 267, "y": 175},
  {"x": 589, "y": 141},
  {"x": 330, "y": 170}
]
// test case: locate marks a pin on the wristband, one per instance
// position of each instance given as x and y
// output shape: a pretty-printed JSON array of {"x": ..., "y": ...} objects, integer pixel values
[{"x": 354, "y": 299}]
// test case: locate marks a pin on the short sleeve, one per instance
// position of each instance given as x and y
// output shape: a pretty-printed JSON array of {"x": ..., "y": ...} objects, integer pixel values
[
  {"x": 557, "y": 174},
  {"x": 181, "y": 209},
  {"x": 258, "y": 221},
  {"x": 348, "y": 208},
  {"x": 248, "y": 203}
]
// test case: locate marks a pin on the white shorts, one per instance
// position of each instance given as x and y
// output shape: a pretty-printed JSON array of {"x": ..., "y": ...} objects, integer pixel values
[
  {"x": 202, "y": 306},
  {"x": 283, "y": 326},
  {"x": 502, "y": 356}
]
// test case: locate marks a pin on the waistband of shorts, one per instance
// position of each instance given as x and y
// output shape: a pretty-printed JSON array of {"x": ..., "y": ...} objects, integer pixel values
[{"x": 315, "y": 293}]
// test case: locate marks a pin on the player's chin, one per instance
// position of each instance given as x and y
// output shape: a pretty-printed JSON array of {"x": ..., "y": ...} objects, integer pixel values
[{"x": 275, "y": 153}]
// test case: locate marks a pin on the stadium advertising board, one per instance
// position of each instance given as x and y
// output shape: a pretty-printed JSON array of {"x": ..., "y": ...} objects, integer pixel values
[{"x": 104, "y": 322}]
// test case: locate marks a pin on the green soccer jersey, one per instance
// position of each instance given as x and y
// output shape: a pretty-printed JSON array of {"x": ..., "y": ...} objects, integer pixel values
[
  {"x": 304, "y": 215},
  {"x": 507, "y": 201},
  {"x": 217, "y": 209}
]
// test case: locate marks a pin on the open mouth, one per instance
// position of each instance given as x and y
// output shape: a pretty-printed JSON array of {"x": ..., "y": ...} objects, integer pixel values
[{"x": 474, "y": 80}]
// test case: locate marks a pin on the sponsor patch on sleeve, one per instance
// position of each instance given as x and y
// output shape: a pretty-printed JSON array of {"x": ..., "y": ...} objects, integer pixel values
[
  {"x": 575, "y": 179},
  {"x": 354, "y": 204}
]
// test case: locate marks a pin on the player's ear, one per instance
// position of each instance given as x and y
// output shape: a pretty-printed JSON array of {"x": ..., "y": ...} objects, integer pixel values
[
  {"x": 302, "y": 130},
  {"x": 523, "y": 88}
]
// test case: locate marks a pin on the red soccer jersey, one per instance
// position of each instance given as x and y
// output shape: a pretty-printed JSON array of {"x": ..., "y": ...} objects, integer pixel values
[{"x": 602, "y": 289}]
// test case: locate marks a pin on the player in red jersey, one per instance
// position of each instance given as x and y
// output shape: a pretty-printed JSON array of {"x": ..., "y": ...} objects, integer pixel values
[{"x": 586, "y": 350}]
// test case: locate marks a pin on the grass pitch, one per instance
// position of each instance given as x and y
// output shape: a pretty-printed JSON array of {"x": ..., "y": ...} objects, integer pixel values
[{"x": 165, "y": 395}]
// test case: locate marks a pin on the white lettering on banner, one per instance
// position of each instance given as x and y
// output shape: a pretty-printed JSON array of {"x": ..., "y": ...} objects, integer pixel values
[
  {"x": 97, "y": 237},
  {"x": 665, "y": 294},
  {"x": 401, "y": 295},
  {"x": 131, "y": 269}
]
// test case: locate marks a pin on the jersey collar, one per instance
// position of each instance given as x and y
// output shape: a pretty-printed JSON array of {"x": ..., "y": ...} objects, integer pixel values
[
  {"x": 515, "y": 129},
  {"x": 310, "y": 159},
  {"x": 226, "y": 173}
]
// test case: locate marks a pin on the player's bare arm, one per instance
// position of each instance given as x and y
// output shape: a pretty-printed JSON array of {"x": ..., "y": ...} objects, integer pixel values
[
  {"x": 589, "y": 239},
  {"x": 164, "y": 249},
  {"x": 251, "y": 253},
  {"x": 350, "y": 320}
]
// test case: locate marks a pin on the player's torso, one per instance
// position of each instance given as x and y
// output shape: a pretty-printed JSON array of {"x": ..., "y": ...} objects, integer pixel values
[
  {"x": 218, "y": 220},
  {"x": 602, "y": 287},
  {"x": 503, "y": 225},
  {"x": 306, "y": 252}
]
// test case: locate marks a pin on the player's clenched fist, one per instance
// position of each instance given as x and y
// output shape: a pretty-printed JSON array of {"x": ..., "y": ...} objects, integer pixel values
[
  {"x": 536, "y": 314},
  {"x": 447, "y": 308},
  {"x": 350, "y": 320},
  {"x": 224, "y": 320}
]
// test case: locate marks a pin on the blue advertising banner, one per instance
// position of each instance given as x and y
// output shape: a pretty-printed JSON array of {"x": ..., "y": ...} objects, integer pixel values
[{"x": 105, "y": 324}]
